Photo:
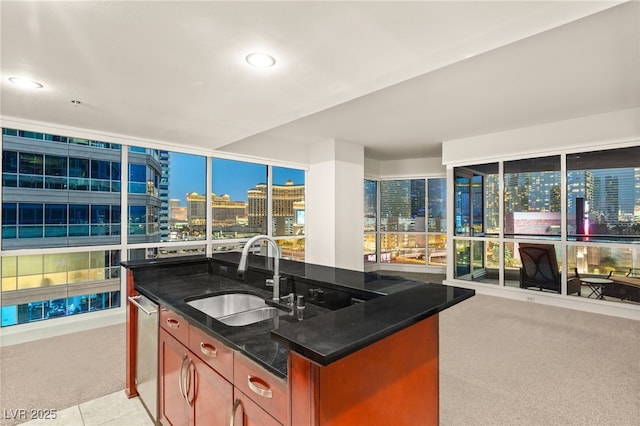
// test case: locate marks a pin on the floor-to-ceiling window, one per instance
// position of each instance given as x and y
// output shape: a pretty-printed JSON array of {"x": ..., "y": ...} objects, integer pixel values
[
  {"x": 476, "y": 222},
  {"x": 64, "y": 224},
  {"x": 408, "y": 224},
  {"x": 61, "y": 202},
  {"x": 288, "y": 211},
  {"x": 532, "y": 210},
  {"x": 402, "y": 221},
  {"x": 437, "y": 222},
  {"x": 565, "y": 220},
  {"x": 167, "y": 203},
  {"x": 239, "y": 204},
  {"x": 370, "y": 221},
  {"x": 143, "y": 201},
  {"x": 245, "y": 195},
  {"x": 603, "y": 219}
]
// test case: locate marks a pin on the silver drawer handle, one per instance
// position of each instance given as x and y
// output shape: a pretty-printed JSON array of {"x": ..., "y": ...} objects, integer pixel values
[
  {"x": 187, "y": 388},
  {"x": 173, "y": 323},
  {"x": 208, "y": 350},
  {"x": 237, "y": 403},
  {"x": 264, "y": 392},
  {"x": 181, "y": 378}
]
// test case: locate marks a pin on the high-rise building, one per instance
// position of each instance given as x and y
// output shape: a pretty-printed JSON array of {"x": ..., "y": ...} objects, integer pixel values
[
  {"x": 65, "y": 193},
  {"x": 532, "y": 191},
  {"x": 143, "y": 195},
  {"x": 636, "y": 184},
  {"x": 196, "y": 212},
  {"x": 491, "y": 203},
  {"x": 257, "y": 205},
  {"x": 59, "y": 191},
  {"x": 402, "y": 205},
  {"x": 612, "y": 199},
  {"x": 370, "y": 205},
  {"x": 284, "y": 198},
  {"x": 164, "y": 216},
  {"x": 228, "y": 213},
  {"x": 582, "y": 200},
  {"x": 395, "y": 198}
]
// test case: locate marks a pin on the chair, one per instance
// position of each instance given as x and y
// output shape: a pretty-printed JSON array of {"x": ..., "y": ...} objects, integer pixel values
[
  {"x": 625, "y": 287},
  {"x": 540, "y": 269}
]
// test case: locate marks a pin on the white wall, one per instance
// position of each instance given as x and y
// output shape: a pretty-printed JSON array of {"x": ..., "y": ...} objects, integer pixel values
[
  {"x": 334, "y": 205},
  {"x": 591, "y": 131},
  {"x": 371, "y": 167},
  {"x": 267, "y": 147},
  {"x": 415, "y": 167},
  {"x": 399, "y": 169}
]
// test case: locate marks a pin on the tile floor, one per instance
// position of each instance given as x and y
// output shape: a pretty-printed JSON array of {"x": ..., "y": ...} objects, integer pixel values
[{"x": 110, "y": 410}]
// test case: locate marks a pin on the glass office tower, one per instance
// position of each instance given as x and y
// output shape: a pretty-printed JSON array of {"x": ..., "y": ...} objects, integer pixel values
[{"x": 61, "y": 222}]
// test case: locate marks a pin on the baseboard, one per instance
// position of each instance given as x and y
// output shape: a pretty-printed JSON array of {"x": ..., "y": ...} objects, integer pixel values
[
  {"x": 397, "y": 267},
  {"x": 23, "y": 333},
  {"x": 603, "y": 307}
]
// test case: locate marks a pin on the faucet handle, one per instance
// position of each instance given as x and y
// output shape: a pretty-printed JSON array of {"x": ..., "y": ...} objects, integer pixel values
[
  {"x": 290, "y": 299},
  {"x": 300, "y": 301},
  {"x": 316, "y": 295}
]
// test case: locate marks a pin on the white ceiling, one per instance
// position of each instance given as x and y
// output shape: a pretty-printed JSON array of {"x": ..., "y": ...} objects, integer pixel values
[{"x": 396, "y": 77}]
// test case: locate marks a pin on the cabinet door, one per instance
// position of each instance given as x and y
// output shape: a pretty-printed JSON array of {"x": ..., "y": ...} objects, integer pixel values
[
  {"x": 248, "y": 413},
  {"x": 210, "y": 394},
  {"x": 174, "y": 409}
]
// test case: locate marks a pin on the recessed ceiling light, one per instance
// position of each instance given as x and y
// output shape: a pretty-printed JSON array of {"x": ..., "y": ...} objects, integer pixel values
[
  {"x": 25, "y": 83},
  {"x": 260, "y": 60}
]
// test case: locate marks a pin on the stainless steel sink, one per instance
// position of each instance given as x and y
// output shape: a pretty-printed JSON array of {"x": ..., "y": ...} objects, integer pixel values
[
  {"x": 236, "y": 309},
  {"x": 250, "y": 317},
  {"x": 227, "y": 304}
]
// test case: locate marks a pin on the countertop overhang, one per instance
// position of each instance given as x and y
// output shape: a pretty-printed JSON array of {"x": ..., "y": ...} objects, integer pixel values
[{"x": 336, "y": 334}]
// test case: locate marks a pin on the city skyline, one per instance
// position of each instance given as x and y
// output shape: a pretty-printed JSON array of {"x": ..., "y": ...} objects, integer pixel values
[{"x": 187, "y": 174}]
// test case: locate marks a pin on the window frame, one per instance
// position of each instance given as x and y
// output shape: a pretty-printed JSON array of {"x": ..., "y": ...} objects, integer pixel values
[{"x": 412, "y": 255}]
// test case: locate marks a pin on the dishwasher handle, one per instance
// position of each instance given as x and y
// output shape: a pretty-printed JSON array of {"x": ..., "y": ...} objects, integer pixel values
[{"x": 134, "y": 300}]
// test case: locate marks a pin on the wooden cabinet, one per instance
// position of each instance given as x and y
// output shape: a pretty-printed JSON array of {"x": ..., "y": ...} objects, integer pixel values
[
  {"x": 174, "y": 409},
  {"x": 175, "y": 325},
  {"x": 248, "y": 413},
  {"x": 210, "y": 350},
  {"x": 197, "y": 376},
  {"x": 191, "y": 392},
  {"x": 211, "y": 396},
  {"x": 204, "y": 382},
  {"x": 391, "y": 382},
  {"x": 263, "y": 388}
]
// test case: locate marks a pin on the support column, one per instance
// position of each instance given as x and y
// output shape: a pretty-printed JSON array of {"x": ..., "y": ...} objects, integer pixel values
[{"x": 335, "y": 205}]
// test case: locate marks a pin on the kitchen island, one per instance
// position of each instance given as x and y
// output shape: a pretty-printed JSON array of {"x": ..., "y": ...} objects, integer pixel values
[{"x": 363, "y": 348}]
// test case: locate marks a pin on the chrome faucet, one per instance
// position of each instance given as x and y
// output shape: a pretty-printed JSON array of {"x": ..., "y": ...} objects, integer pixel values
[{"x": 242, "y": 266}]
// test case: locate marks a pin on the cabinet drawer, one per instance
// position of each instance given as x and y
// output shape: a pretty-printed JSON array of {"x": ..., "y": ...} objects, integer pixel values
[
  {"x": 175, "y": 325},
  {"x": 265, "y": 389},
  {"x": 211, "y": 351}
]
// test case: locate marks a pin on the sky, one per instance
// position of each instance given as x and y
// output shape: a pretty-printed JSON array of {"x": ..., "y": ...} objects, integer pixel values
[{"x": 188, "y": 174}]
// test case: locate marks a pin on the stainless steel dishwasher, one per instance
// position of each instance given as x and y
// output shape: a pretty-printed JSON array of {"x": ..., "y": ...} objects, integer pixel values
[{"x": 147, "y": 353}]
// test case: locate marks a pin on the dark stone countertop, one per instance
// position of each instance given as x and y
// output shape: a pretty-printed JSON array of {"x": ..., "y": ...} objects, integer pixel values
[
  {"x": 336, "y": 334},
  {"x": 174, "y": 288},
  {"x": 366, "y": 285},
  {"x": 324, "y": 335}
]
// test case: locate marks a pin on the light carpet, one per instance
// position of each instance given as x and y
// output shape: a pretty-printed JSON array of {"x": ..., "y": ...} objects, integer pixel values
[
  {"x": 60, "y": 372},
  {"x": 502, "y": 362},
  {"x": 506, "y": 362}
]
